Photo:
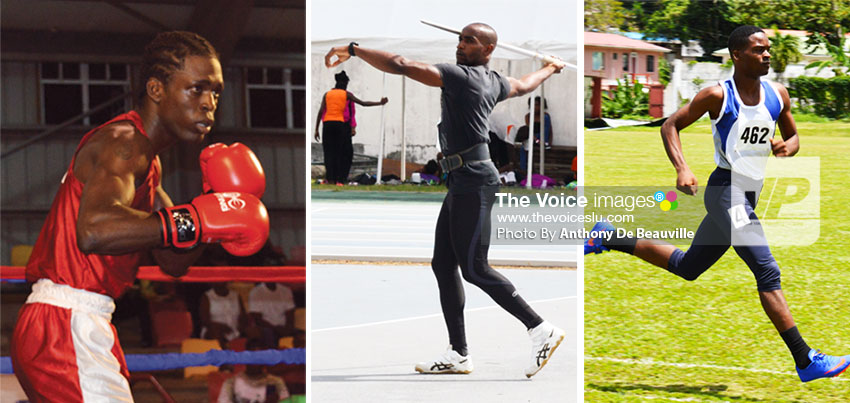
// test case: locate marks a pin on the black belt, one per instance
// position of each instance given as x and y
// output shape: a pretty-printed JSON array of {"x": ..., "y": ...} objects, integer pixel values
[{"x": 477, "y": 153}]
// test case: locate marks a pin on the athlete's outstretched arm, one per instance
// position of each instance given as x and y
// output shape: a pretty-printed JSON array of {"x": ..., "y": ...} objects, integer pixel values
[
  {"x": 708, "y": 100},
  {"x": 171, "y": 261},
  {"x": 790, "y": 142},
  {"x": 388, "y": 63},
  {"x": 108, "y": 165},
  {"x": 529, "y": 82},
  {"x": 367, "y": 103}
]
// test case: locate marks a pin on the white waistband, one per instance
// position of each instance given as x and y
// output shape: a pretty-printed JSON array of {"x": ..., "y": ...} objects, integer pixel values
[{"x": 65, "y": 296}]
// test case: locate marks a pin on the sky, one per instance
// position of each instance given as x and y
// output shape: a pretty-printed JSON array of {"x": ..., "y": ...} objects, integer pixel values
[{"x": 514, "y": 21}]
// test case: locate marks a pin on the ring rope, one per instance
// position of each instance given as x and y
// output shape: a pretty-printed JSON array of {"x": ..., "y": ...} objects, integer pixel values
[
  {"x": 200, "y": 274},
  {"x": 161, "y": 362}
]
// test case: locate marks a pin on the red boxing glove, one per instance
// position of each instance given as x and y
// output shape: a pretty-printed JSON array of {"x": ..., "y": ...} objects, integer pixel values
[
  {"x": 232, "y": 168},
  {"x": 239, "y": 221}
]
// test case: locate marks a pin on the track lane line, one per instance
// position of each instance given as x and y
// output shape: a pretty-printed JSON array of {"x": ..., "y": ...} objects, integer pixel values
[{"x": 384, "y": 322}]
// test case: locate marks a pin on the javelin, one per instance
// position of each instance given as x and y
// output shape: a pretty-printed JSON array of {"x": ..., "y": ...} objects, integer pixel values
[{"x": 515, "y": 49}]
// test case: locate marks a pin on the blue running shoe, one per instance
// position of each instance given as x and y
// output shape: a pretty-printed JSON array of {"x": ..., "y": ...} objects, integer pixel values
[
  {"x": 823, "y": 366},
  {"x": 594, "y": 245}
]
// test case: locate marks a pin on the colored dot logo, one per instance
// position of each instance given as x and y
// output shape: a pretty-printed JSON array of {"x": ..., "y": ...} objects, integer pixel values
[{"x": 667, "y": 201}]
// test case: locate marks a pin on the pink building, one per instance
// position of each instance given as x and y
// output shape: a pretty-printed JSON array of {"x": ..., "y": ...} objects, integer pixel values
[{"x": 609, "y": 57}]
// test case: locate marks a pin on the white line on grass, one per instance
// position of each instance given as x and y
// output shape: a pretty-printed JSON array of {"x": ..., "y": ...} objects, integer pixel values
[
  {"x": 384, "y": 322},
  {"x": 649, "y": 361},
  {"x": 675, "y": 399}
]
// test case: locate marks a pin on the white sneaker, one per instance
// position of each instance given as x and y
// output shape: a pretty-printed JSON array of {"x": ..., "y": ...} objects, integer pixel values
[
  {"x": 449, "y": 362},
  {"x": 545, "y": 338}
]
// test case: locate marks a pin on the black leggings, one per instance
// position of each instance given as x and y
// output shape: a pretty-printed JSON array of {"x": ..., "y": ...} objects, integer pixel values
[
  {"x": 462, "y": 239},
  {"x": 716, "y": 234},
  {"x": 338, "y": 150}
]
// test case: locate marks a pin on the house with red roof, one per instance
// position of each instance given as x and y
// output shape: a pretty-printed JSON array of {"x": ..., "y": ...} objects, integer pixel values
[{"x": 609, "y": 57}]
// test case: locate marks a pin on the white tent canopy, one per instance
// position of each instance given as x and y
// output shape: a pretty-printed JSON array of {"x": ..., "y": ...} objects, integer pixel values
[
  {"x": 413, "y": 112},
  {"x": 417, "y": 48},
  {"x": 515, "y": 22}
]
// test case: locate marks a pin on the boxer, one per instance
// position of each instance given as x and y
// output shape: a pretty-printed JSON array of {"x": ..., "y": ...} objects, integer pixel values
[{"x": 111, "y": 210}]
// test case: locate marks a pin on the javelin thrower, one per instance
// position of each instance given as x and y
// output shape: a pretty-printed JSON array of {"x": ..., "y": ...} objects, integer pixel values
[{"x": 470, "y": 90}]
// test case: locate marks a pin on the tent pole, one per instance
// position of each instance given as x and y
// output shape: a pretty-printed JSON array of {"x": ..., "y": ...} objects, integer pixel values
[
  {"x": 530, "y": 141},
  {"x": 542, "y": 128},
  {"x": 381, "y": 145},
  {"x": 403, "y": 136}
]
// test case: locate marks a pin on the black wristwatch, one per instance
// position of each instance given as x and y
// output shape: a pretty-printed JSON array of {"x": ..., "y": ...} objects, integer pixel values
[{"x": 351, "y": 48}]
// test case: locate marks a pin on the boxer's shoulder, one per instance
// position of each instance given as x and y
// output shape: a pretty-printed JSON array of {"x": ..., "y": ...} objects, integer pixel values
[{"x": 118, "y": 146}]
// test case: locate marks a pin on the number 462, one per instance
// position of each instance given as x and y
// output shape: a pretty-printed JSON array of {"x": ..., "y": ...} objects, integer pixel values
[{"x": 751, "y": 135}]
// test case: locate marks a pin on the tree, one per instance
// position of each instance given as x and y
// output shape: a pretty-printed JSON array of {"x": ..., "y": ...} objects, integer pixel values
[
  {"x": 603, "y": 15},
  {"x": 705, "y": 21},
  {"x": 839, "y": 61},
  {"x": 784, "y": 50},
  {"x": 711, "y": 21},
  {"x": 667, "y": 20},
  {"x": 665, "y": 72},
  {"x": 828, "y": 17}
]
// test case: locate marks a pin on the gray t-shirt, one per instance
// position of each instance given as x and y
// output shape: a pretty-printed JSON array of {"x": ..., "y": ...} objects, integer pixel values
[{"x": 469, "y": 95}]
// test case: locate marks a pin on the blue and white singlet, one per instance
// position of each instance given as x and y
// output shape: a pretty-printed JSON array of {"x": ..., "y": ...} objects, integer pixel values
[{"x": 742, "y": 133}]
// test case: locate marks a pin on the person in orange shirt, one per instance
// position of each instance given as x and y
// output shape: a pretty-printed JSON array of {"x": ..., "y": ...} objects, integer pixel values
[{"x": 337, "y": 132}]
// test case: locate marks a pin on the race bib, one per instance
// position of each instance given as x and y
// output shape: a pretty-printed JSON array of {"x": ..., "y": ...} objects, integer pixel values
[{"x": 752, "y": 148}]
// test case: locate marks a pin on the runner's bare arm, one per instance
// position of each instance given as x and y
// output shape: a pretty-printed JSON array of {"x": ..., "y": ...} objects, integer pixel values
[
  {"x": 790, "y": 142},
  {"x": 708, "y": 100}
]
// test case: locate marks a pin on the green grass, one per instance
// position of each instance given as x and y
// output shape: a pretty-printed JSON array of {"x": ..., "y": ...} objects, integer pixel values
[
  {"x": 811, "y": 117},
  {"x": 406, "y": 187},
  {"x": 636, "y": 311},
  {"x": 409, "y": 188}
]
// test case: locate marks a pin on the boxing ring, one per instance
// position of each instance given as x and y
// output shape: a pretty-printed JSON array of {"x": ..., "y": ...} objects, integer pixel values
[{"x": 197, "y": 274}]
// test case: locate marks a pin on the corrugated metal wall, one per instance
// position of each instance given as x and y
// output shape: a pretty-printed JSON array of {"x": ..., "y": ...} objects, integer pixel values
[{"x": 19, "y": 94}]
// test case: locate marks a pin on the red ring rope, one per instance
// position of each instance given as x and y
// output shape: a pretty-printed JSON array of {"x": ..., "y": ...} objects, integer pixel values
[{"x": 202, "y": 274}]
